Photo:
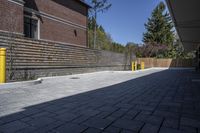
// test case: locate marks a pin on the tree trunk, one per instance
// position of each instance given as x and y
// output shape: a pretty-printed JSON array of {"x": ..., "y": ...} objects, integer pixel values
[{"x": 95, "y": 29}]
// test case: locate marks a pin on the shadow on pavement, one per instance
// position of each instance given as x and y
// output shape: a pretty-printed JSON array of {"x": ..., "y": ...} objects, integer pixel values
[{"x": 166, "y": 101}]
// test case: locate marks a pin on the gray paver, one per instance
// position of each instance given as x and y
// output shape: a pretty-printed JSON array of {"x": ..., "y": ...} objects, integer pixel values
[
  {"x": 88, "y": 112},
  {"x": 13, "y": 127},
  {"x": 190, "y": 122},
  {"x": 188, "y": 129},
  {"x": 67, "y": 117},
  {"x": 149, "y": 128},
  {"x": 13, "y": 117},
  {"x": 97, "y": 123},
  {"x": 169, "y": 130},
  {"x": 27, "y": 130},
  {"x": 70, "y": 128},
  {"x": 112, "y": 129},
  {"x": 81, "y": 119},
  {"x": 49, "y": 127},
  {"x": 171, "y": 123},
  {"x": 128, "y": 131},
  {"x": 40, "y": 122},
  {"x": 150, "y": 101},
  {"x": 128, "y": 124},
  {"x": 108, "y": 109},
  {"x": 167, "y": 114},
  {"x": 92, "y": 130},
  {"x": 103, "y": 114},
  {"x": 155, "y": 120}
]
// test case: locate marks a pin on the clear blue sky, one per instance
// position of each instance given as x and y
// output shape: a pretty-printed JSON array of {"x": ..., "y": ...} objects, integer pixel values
[{"x": 125, "y": 19}]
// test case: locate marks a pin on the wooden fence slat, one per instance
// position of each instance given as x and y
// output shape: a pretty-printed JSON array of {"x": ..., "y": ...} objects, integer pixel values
[{"x": 153, "y": 62}]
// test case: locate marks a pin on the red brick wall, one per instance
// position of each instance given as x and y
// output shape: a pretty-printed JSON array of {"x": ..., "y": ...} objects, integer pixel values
[
  {"x": 68, "y": 10},
  {"x": 52, "y": 30},
  {"x": 11, "y": 17}
]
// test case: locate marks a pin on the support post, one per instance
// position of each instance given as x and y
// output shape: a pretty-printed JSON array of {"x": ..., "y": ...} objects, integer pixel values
[
  {"x": 2, "y": 65},
  {"x": 135, "y": 65},
  {"x": 132, "y": 66},
  {"x": 142, "y": 65}
]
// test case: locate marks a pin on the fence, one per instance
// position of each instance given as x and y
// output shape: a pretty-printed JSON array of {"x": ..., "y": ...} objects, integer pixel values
[
  {"x": 153, "y": 62},
  {"x": 29, "y": 59}
]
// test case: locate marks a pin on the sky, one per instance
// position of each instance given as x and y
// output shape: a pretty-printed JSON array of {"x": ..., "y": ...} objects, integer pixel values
[{"x": 124, "y": 21}]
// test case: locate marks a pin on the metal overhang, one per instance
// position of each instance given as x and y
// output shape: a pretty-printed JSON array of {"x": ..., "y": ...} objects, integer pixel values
[{"x": 186, "y": 17}]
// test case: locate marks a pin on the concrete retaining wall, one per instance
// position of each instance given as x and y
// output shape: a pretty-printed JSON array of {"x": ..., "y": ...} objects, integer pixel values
[{"x": 30, "y": 59}]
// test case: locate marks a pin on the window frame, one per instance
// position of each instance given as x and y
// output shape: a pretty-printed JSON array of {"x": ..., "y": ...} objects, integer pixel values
[{"x": 38, "y": 27}]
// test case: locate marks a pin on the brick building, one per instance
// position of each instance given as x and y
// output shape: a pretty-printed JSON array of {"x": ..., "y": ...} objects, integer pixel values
[{"x": 63, "y": 21}]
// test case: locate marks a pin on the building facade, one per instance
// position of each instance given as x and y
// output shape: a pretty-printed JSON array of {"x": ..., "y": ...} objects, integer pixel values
[{"x": 58, "y": 21}]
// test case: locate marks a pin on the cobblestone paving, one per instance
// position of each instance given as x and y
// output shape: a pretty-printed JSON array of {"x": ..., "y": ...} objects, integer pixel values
[{"x": 156, "y": 102}]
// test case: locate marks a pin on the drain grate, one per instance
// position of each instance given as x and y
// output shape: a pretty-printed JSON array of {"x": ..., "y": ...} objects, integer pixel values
[{"x": 74, "y": 78}]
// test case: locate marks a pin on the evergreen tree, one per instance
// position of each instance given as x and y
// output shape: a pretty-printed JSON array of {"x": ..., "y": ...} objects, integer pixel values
[{"x": 159, "y": 27}]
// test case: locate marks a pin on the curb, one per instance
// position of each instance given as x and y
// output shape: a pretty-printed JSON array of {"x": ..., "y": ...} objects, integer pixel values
[
  {"x": 163, "y": 68},
  {"x": 20, "y": 84},
  {"x": 152, "y": 68},
  {"x": 72, "y": 75}
]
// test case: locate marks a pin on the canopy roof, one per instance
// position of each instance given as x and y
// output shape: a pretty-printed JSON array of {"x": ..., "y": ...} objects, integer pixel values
[{"x": 186, "y": 17}]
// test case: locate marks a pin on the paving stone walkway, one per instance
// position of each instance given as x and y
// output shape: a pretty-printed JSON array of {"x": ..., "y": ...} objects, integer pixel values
[{"x": 153, "y": 101}]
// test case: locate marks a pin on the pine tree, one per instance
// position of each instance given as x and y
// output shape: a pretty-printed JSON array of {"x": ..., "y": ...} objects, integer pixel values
[{"x": 159, "y": 27}]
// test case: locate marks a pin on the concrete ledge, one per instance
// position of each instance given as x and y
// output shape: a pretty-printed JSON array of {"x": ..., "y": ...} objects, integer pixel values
[{"x": 20, "y": 84}]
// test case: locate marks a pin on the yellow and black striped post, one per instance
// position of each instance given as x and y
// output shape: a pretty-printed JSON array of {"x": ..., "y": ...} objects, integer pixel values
[{"x": 2, "y": 65}]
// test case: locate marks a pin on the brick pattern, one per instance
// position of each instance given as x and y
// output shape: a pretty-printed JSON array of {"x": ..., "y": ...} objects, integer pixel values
[
  {"x": 12, "y": 17},
  {"x": 53, "y": 30},
  {"x": 70, "y": 10},
  {"x": 163, "y": 102}
]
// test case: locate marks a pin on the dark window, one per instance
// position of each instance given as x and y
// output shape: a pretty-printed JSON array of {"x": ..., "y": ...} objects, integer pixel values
[
  {"x": 30, "y": 28},
  {"x": 75, "y": 33}
]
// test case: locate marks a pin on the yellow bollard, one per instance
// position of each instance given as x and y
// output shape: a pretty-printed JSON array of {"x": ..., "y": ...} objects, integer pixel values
[
  {"x": 142, "y": 65},
  {"x": 133, "y": 66},
  {"x": 2, "y": 65}
]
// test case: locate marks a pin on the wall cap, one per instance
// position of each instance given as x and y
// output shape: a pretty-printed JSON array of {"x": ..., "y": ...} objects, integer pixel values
[{"x": 19, "y": 2}]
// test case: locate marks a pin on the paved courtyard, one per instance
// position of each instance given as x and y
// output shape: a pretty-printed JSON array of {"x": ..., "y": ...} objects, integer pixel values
[{"x": 153, "y": 101}]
